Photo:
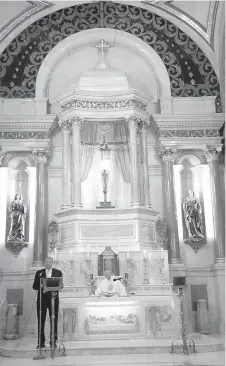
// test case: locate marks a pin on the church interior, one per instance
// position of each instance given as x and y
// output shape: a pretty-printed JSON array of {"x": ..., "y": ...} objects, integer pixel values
[{"x": 112, "y": 163}]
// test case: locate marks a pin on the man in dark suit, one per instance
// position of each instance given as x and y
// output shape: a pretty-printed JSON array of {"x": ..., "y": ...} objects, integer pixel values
[{"x": 46, "y": 272}]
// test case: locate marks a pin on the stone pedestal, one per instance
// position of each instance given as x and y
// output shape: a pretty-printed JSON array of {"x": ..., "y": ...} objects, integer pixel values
[
  {"x": 202, "y": 325},
  {"x": 11, "y": 323}
]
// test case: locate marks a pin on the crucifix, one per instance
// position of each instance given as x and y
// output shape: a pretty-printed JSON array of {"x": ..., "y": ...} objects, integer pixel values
[
  {"x": 102, "y": 46},
  {"x": 104, "y": 149}
]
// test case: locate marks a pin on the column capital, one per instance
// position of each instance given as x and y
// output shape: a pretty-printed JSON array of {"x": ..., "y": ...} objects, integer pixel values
[
  {"x": 65, "y": 125},
  {"x": 133, "y": 121},
  {"x": 41, "y": 155},
  {"x": 211, "y": 152},
  {"x": 2, "y": 156},
  {"x": 76, "y": 122},
  {"x": 167, "y": 153}
]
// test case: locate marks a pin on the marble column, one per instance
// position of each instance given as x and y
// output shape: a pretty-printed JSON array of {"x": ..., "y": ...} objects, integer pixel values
[
  {"x": 144, "y": 163},
  {"x": 41, "y": 156},
  {"x": 76, "y": 124},
  {"x": 211, "y": 154},
  {"x": 134, "y": 163},
  {"x": 168, "y": 155},
  {"x": 66, "y": 165}
]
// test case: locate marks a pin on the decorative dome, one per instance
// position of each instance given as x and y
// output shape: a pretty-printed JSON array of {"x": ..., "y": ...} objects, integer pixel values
[{"x": 103, "y": 79}]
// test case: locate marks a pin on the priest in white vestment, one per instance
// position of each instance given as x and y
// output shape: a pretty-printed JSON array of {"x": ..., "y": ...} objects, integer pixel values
[{"x": 110, "y": 288}]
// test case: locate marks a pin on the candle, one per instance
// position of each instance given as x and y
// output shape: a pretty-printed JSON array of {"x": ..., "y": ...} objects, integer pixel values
[
  {"x": 145, "y": 253},
  {"x": 55, "y": 254},
  {"x": 88, "y": 256}
]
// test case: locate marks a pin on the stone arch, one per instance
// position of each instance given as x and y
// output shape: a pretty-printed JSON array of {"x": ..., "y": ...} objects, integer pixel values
[
  {"x": 13, "y": 160},
  {"x": 190, "y": 72},
  {"x": 115, "y": 37},
  {"x": 195, "y": 158}
]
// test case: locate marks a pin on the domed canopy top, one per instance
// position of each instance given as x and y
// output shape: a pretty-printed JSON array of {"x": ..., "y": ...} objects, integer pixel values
[{"x": 103, "y": 79}]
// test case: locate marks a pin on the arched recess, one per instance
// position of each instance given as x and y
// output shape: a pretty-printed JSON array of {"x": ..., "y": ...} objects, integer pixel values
[
  {"x": 114, "y": 38},
  {"x": 190, "y": 72}
]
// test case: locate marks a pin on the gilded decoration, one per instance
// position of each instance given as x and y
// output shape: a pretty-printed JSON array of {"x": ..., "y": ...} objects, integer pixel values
[
  {"x": 162, "y": 233},
  {"x": 53, "y": 234},
  {"x": 189, "y": 70}
]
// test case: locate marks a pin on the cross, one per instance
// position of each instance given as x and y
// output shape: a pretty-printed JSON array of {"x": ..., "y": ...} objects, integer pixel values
[{"x": 102, "y": 46}]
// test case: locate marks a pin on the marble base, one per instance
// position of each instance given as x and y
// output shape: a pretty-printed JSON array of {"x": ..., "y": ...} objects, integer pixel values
[{"x": 105, "y": 205}]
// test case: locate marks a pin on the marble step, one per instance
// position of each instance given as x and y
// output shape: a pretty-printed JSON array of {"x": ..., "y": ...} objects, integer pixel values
[{"x": 26, "y": 347}]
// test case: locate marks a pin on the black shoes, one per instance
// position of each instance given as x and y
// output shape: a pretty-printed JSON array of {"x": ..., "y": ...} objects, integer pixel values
[{"x": 42, "y": 346}]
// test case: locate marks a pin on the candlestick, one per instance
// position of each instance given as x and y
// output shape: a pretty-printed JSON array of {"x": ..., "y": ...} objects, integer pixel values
[{"x": 55, "y": 254}]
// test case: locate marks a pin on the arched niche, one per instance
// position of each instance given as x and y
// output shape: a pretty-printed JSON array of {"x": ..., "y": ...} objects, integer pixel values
[
  {"x": 193, "y": 176},
  {"x": 19, "y": 175}
]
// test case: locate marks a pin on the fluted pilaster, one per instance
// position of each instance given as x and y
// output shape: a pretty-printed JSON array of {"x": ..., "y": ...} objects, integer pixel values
[
  {"x": 66, "y": 165},
  {"x": 168, "y": 155},
  {"x": 135, "y": 189},
  {"x": 41, "y": 156},
  {"x": 144, "y": 163},
  {"x": 76, "y": 124},
  {"x": 211, "y": 154}
]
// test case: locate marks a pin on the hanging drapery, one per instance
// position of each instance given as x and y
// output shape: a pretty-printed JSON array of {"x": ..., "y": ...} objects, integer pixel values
[
  {"x": 88, "y": 135},
  {"x": 121, "y": 134}
]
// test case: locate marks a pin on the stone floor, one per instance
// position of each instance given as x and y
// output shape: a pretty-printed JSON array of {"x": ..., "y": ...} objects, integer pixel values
[
  {"x": 108, "y": 353},
  {"x": 202, "y": 359}
]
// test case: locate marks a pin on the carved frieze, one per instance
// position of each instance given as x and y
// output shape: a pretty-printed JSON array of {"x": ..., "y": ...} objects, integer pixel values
[
  {"x": 37, "y": 135},
  {"x": 189, "y": 133},
  {"x": 104, "y": 104}
]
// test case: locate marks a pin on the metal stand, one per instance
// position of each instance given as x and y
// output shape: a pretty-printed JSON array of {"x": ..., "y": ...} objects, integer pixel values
[
  {"x": 40, "y": 356},
  {"x": 187, "y": 346}
]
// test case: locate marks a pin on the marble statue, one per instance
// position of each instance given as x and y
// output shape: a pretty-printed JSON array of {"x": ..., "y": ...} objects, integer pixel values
[
  {"x": 108, "y": 287},
  {"x": 18, "y": 216},
  {"x": 193, "y": 215}
]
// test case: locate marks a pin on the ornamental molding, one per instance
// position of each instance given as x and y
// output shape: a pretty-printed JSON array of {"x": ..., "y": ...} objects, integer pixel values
[
  {"x": 36, "y": 6},
  {"x": 41, "y": 155},
  {"x": 104, "y": 104},
  {"x": 167, "y": 153},
  {"x": 211, "y": 152},
  {"x": 189, "y": 133},
  {"x": 34, "y": 135}
]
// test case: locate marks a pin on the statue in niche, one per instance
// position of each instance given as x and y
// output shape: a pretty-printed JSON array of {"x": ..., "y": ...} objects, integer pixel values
[
  {"x": 193, "y": 215},
  {"x": 18, "y": 216}
]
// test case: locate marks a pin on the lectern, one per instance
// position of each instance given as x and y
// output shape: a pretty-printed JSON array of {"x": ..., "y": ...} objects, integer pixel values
[{"x": 51, "y": 285}]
